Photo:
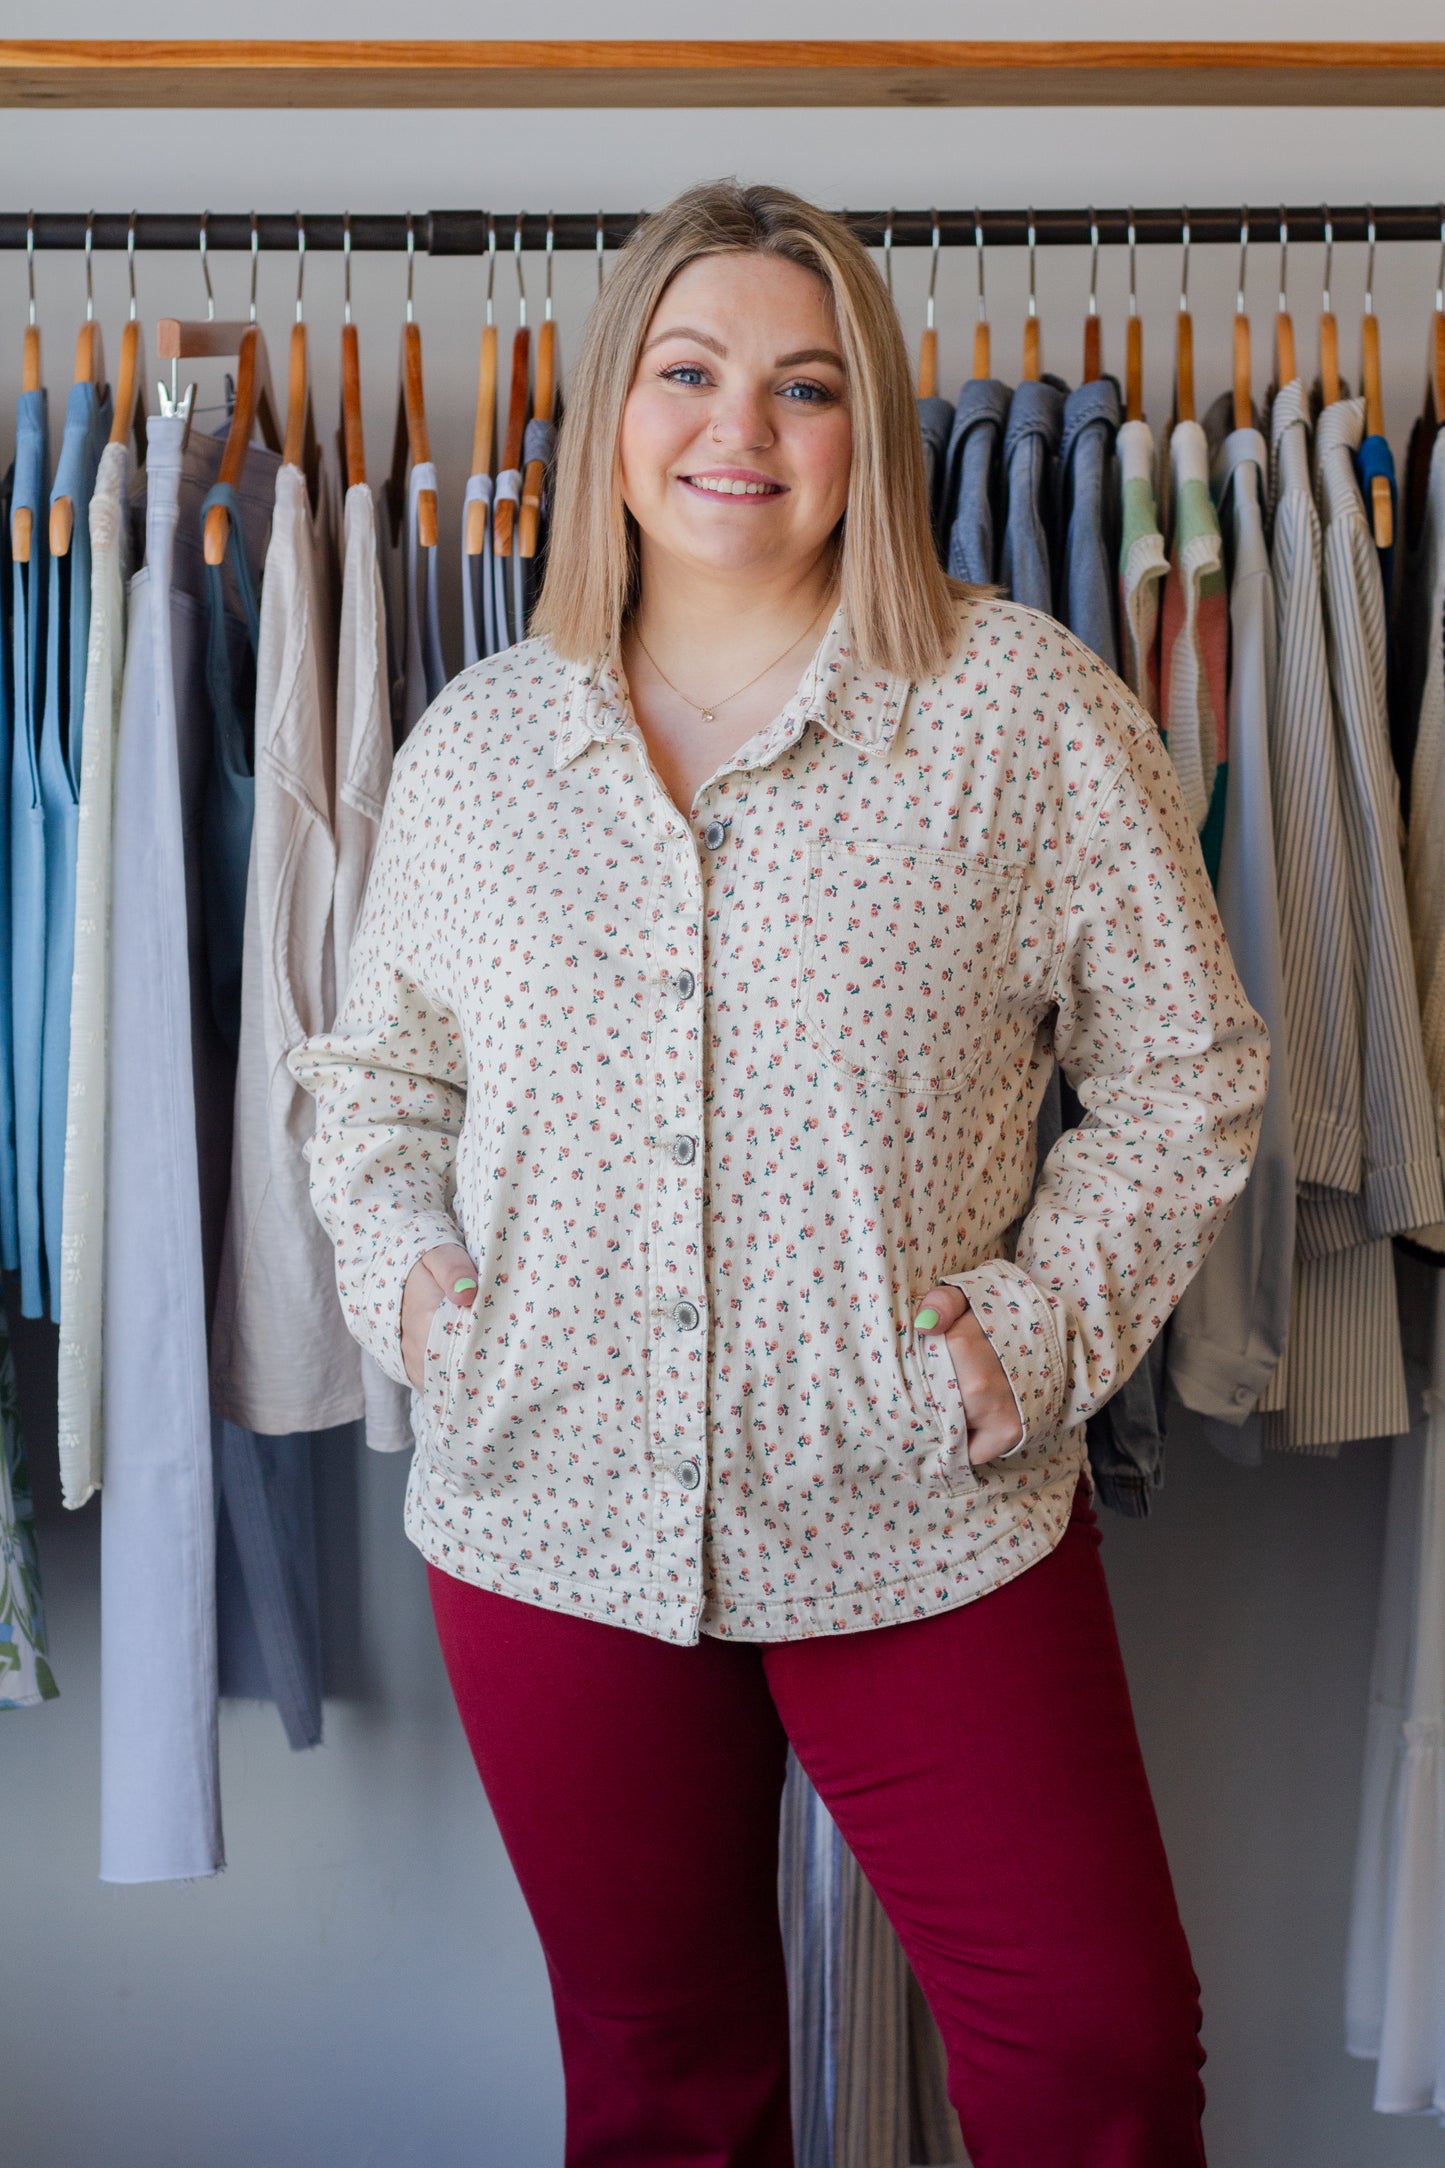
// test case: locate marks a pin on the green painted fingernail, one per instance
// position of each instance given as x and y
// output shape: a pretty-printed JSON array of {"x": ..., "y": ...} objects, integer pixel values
[
  {"x": 926, "y": 1319},
  {"x": 460, "y": 1286}
]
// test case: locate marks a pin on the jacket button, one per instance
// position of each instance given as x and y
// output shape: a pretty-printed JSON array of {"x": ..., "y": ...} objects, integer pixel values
[
  {"x": 715, "y": 834},
  {"x": 684, "y": 983},
  {"x": 684, "y": 1149},
  {"x": 685, "y": 1315},
  {"x": 689, "y": 1475}
]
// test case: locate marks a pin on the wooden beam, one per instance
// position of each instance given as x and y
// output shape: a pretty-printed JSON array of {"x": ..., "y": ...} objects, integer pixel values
[{"x": 801, "y": 72}]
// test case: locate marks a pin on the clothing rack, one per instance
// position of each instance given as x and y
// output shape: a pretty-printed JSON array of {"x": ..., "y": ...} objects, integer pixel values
[{"x": 465, "y": 233}]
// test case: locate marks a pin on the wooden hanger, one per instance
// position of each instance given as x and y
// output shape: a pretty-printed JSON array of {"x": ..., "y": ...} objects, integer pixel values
[
  {"x": 505, "y": 515},
  {"x": 981, "y": 342},
  {"x": 130, "y": 405},
  {"x": 1092, "y": 342},
  {"x": 1133, "y": 343},
  {"x": 181, "y": 339},
  {"x": 89, "y": 369},
  {"x": 1243, "y": 372},
  {"x": 928, "y": 344},
  {"x": 300, "y": 448},
  {"x": 1029, "y": 374},
  {"x": 1382, "y": 513},
  {"x": 1284, "y": 361},
  {"x": 353, "y": 436},
  {"x": 544, "y": 409},
  {"x": 411, "y": 444},
  {"x": 1184, "y": 343},
  {"x": 1329, "y": 330},
  {"x": 484, "y": 426},
  {"x": 22, "y": 520}
]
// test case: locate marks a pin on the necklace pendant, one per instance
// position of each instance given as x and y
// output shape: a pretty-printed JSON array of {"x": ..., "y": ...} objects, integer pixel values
[{"x": 708, "y": 716}]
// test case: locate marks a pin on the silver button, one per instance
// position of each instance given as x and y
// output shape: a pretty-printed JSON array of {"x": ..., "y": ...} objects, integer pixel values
[
  {"x": 715, "y": 834},
  {"x": 689, "y": 1475},
  {"x": 684, "y": 1149},
  {"x": 685, "y": 1315},
  {"x": 684, "y": 984}
]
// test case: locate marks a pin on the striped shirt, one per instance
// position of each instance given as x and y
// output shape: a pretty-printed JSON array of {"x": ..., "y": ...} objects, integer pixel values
[
  {"x": 1343, "y": 1374},
  {"x": 1230, "y": 1327}
]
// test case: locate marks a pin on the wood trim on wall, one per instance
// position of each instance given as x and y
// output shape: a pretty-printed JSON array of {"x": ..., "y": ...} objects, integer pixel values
[{"x": 655, "y": 72}]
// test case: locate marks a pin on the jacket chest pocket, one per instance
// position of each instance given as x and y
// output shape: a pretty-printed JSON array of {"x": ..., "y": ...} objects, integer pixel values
[{"x": 901, "y": 949}]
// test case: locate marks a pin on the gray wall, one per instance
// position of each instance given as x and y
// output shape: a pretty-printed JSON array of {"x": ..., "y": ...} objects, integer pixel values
[{"x": 362, "y": 1983}]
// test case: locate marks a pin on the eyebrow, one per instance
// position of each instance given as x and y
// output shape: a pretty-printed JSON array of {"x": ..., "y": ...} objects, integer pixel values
[{"x": 715, "y": 346}]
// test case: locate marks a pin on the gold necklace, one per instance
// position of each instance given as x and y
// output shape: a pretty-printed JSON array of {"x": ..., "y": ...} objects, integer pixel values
[{"x": 709, "y": 714}]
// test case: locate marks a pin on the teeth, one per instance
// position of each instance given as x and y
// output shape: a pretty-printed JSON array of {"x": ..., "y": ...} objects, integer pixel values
[{"x": 722, "y": 487}]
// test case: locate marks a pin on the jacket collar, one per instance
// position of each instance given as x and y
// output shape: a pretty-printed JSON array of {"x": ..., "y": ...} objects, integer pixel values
[{"x": 860, "y": 707}]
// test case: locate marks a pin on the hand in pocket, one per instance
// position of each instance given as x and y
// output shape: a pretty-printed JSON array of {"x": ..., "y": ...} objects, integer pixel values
[
  {"x": 431, "y": 1282},
  {"x": 988, "y": 1398}
]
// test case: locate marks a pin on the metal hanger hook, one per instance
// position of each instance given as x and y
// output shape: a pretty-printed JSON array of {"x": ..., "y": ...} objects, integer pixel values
[
  {"x": 551, "y": 246},
  {"x": 978, "y": 250},
  {"x": 1033, "y": 309},
  {"x": 255, "y": 263},
  {"x": 601, "y": 244},
  {"x": 410, "y": 267},
  {"x": 1440, "y": 273},
  {"x": 1370, "y": 260},
  {"x": 933, "y": 270},
  {"x": 130, "y": 262},
  {"x": 1243, "y": 260},
  {"x": 491, "y": 265},
  {"x": 89, "y": 267},
  {"x": 1184, "y": 268},
  {"x": 1133, "y": 283},
  {"x": 1283, "y": 263},
  {"x": 300, "y": 262},
  {"x": 346, "y": 260},
  {"x": 206, "y": 270},
  {"x": 1093, "y": 308},
  {"x": 521, "y": 282},
  {"x": 1329, "y": 255},
  {"x": 888, "y": 250}
]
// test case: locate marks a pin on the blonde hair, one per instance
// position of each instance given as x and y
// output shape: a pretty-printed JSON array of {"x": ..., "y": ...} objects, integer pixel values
[{"x": 899, "y": 602}]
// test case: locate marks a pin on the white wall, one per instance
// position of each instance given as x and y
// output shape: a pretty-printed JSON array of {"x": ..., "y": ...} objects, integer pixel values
[{"x": 363, "y": 1983}]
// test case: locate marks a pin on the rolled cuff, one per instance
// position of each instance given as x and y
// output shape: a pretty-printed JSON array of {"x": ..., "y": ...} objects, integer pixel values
[
  {"x": 1019, "y": 1323},
  {"x": 376, "y": 1322}
]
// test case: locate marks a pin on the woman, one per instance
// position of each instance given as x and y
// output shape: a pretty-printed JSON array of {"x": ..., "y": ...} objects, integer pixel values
[{"x": 674, "y": 1138}]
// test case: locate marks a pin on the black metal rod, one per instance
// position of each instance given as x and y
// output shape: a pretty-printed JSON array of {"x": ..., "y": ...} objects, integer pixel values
[{"x": 464, "y": 233}]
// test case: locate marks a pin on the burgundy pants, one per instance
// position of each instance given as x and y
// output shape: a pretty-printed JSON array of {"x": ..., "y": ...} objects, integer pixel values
[{"x": 984, "y": 1769}]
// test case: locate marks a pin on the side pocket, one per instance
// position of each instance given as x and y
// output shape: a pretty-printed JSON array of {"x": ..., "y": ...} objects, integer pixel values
[
  {"x": 952, "y": 1472},
  {"x": 444, "y": 1338}
]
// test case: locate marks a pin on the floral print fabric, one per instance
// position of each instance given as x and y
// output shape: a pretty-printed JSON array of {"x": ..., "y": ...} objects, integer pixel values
[{"x": 712, "y": 1100}]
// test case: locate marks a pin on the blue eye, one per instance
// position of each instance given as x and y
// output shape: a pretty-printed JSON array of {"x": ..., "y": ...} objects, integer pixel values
[
  {"x": 679, "y": 370},
  {"x": 813, "y": 394}
]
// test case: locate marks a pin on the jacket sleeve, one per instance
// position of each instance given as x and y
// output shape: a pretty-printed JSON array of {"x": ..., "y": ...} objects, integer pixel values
[
  {"x": 1171, "y": 1063},
  {"x": 389, "y": 1081}
]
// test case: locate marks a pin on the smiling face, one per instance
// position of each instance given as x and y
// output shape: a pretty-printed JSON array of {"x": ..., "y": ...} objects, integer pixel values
[{"x": 736, "y": 437}]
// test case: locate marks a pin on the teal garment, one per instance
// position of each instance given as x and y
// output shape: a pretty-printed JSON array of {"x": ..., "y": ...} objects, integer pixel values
[
  {"x": 25, "y": 1673},
  {"x": 1374, "y": 457},
  {"x": 30, "y": 590},
  {"x": 67, "y": 639},
  {"x": 231, "y": 789},
  {"x": 9, "y": 1219}
]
